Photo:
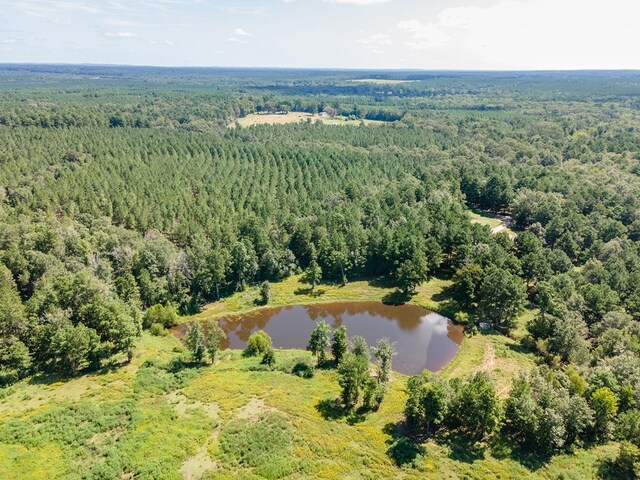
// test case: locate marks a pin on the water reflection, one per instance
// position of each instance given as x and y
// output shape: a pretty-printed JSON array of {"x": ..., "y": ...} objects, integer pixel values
[{"x": 423, "y": 340}]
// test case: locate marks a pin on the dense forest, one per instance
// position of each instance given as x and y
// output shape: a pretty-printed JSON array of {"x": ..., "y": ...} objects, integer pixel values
[{"x": 125, "y": 198}]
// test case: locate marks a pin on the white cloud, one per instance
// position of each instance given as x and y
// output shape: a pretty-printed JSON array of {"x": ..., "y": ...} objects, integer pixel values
[
  {"x": 120, "y": 34},
  {"x": 243, "y": 10},
  {"x": 375, "y": 41},
  {"x": 128, "y": 23},
  {"x": 78, "y": 6},
  {"x": 238, "y": 36},
  {"x": 358, "y": 2},
  {"x": 424, "y": 37},
  {"x": 463, "y": 34},
  {"x": 169, "y": 42},
  {"x": 530, "y": 34},
  {"x": 240, "y": 32}
]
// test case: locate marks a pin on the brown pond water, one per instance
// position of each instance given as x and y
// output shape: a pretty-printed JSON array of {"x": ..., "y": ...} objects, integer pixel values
[{"x": 423, "y": 339}]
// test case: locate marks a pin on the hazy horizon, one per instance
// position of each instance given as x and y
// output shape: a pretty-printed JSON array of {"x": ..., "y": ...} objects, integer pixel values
[
  {"x": 319, "y": 68},
  {"x": 467, "y": 35}
]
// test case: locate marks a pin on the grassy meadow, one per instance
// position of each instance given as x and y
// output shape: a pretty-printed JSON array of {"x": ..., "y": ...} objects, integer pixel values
[
  {"x": 159, "y": 417},
  {"x": 295, "y": 117}
]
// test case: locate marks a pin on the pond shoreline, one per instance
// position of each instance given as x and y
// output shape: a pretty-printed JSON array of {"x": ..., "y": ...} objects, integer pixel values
[{"x": 425, "y": 340}]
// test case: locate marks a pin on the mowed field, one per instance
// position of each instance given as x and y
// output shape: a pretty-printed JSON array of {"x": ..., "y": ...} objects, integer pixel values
[
  {"x": 295, "y": 117},
  {"x": 161, "y": 418}
]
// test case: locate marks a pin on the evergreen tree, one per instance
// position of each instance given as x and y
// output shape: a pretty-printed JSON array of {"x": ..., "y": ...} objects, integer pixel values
[
  {"x": 214, "y": 337},
  {"x": 269, "y": 357},
  {"x": 353, "y": 372},
  {"x": 313, "y": 274},
  {"x": 340, "y": 344},
  {"x": 475, "y": 406},
  {"x": 384, "y": 354},
  {"x": 319, "y": 341},
  {"x": 360, "y": 347},
  {"x": 502, "y": 298},
  {"x": 195, "y": 341},
  {"x": 265, "y": 292}
]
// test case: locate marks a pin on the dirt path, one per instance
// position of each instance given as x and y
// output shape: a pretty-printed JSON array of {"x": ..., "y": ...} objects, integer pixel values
[
  {"x": 489, "y": 361},
  {"x": 505, "y": 225}
]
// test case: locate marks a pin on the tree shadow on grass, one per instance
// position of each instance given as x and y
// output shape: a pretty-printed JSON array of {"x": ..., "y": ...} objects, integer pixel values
[
  {"x": 449, "y": 302},
  {"x": 381, "y": 282},
  {"x": 318, "y": 292},
  {"x": 110, "y": 367},
  {"x": 357, "y": 416},
  {"x": 462, "y": 448},
  {"x": 328, "y": 364},
  {"x": 332, "y": 409},
  {"x": 47, "y": 378},
  {"x": 502, "y": 448},
  {"x": 397, "y": 297},
  {"x": 608, "y": 470},
  {"x": 402, "y": 447},
  {"x": 519, "y": 348}
]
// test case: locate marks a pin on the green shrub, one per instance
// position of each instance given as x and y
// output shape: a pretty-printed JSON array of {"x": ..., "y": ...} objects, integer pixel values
[
  {"x": 158, "y": 330},
  {"x": 627, "y": 464},
  {"x": 259, "y": 342},
  {"x": 153, "y": 378},
  {"x": 461, "y": 318},
  {"x": 6, "y": 391},
  {"x": 265, "y": 293},
  {"x": 304, "y": 369},
  {"x": 269, "y": 357},
  {"x": 163, "y": 314},
  {"x": 628, "y": 427}
]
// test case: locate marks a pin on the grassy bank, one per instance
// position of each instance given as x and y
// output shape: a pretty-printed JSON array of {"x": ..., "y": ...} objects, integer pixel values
[
  {"x": 500, "y": 355},
  {"x": 155, "y": 419},
  {"x": 292, "y": 291},
  {"x": 144, "y": 420}
]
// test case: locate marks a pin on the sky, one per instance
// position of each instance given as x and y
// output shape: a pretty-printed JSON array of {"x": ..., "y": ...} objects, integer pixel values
[{"x": 380, "y": 34}]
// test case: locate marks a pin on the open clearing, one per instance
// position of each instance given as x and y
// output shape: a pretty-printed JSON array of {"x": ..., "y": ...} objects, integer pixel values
[
  {"x": 381, "y": 81},
  {"x": 191, "y": 423},
  {"x": 295, "y": 117},
  {"x": 151, "y": 436},
  {"x": 497, "y": 223}
]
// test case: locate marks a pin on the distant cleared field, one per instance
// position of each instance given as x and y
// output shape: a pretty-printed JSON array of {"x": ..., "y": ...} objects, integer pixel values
[
  {"x": 295, "y": 117},
  {"x": 381, "y": 81}
]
